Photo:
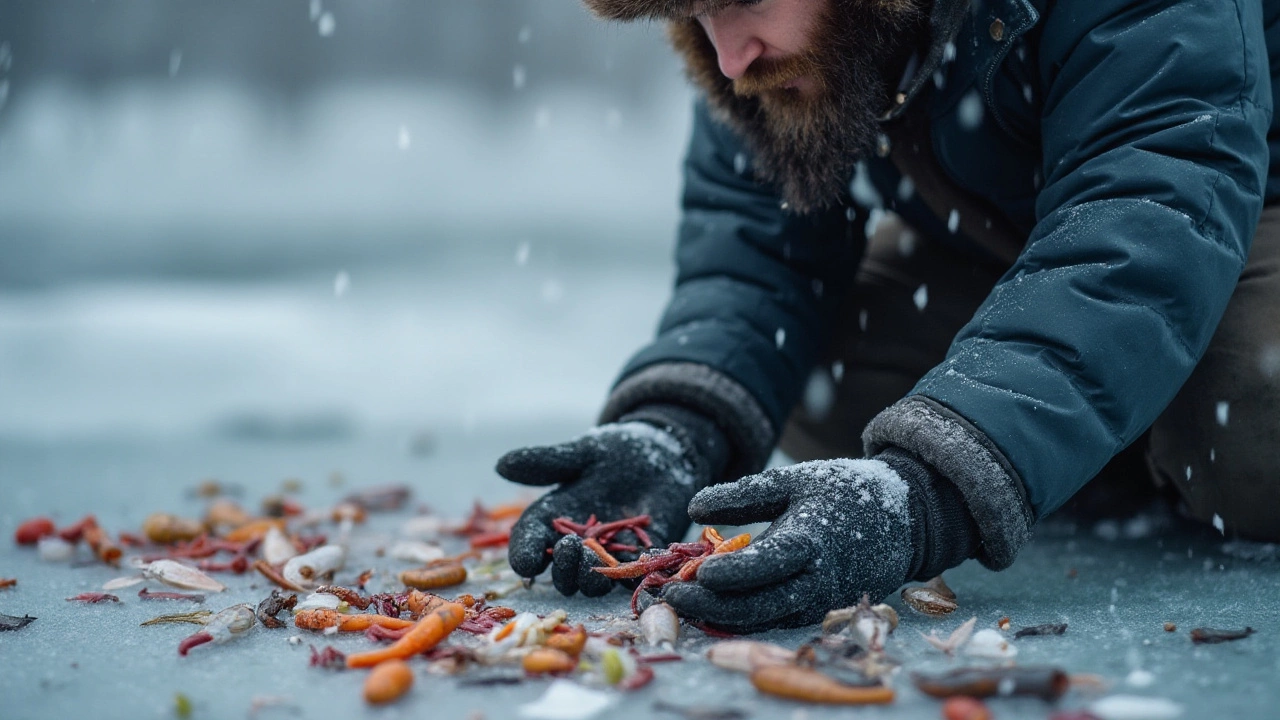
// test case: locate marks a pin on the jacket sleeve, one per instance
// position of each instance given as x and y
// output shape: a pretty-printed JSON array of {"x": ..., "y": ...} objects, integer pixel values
[
  {"x": 1155, "y": 153},
  {"x": 755, "y": 290}
]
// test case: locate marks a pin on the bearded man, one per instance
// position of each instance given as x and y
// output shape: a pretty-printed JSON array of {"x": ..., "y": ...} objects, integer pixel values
[{"x": 1026, "y": 242}]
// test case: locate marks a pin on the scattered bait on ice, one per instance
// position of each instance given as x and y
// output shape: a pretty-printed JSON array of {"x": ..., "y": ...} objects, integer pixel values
[
  {"x": 388, "y": 682},
  {"x": 549, "y": 661},
  {"x": 328, "y": 659},
  {"x": 52, "y": 548},
  {"x": 1046, "y": 683},
  {"x": 416, "y": 551},
  {"x": 30, "y": 531},
  {"x": 660, "y": 626},
  {"x": 744, "y": 656},
  {"x": 309, "y": 569},
  {"x": 933, "y": 598},
  {"x": 230, "y": 623},
  {"x": 1210, "y": 636},
  {"x": 800, "y": 683},
  {"x": 1135, "y": 707},
  {"x": 965, "y": 708},
  {"x": 955, "y": 640},
  {"x": 8, "y": 582},
  {"x": 1037, "y": 630},
  {"x": 93, "y": 597},
  {"x": 276, "y": 546},
  {"x": 382, "y": 498},
  {"x": 146, "y": 594},
  {"x": 1170, "y": 627},
  {"x": 182, "y": 705},
  {"x": 10, "y": 622},
  {"x": 273, "y": 605},
  {"x": 172, "y": 573},
  {"x": 989, "y": 643},
  {"x": 166, "y": 529},
  {"x": 198, "y": 617},
  {"x": 700, "y": 712},
  {"x": 445, "y": 574},
  {"x": 272, "y": 573},
  {"x": 565, "y": 700}
]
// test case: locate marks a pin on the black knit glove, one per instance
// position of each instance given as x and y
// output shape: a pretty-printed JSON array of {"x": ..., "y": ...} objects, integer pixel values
[
  {"x": 840, "y": 528},
  {"x": 650, "y": 462}
]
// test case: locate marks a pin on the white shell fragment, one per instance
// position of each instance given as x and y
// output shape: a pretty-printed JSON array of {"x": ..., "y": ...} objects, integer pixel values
[
  {"x": 748, "y": 655},
  {"x": 565, "y": 700},
  {"x": 955, "y": 640},
  {"x": 175, "y": 574},
  {"x": 323, "y": 601},
  {"x": 276, "y": 547},
  {"x": 54, "y": 549},
  {"x": 660, "y": 626},
  {"x": 990, "y": 644},
  {"x": 1135, "y": 707},
  {"x": 123, "y": 582},
  {"x": 308, "y": 569},
  {"x": 416, "y": 551}
]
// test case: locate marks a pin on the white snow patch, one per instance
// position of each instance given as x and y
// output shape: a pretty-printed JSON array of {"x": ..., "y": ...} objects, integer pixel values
[
  {"x": 1135, "y": 707},
  {"x": 1140, "y": 678}
]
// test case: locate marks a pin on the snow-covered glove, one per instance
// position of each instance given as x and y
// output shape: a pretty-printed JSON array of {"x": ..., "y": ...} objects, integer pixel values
[
  {"x": 840, "y": 528},
  {"x": 650, "y": 462}
]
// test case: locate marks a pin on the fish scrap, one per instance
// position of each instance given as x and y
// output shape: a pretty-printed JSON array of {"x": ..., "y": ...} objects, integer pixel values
[
  {"x": 227, "y": 625},
  {"x": 1211, "y": 636},
  {"x": 955, "y": 640},
  {"x": 679, "y": 562},
  {"x": 9, "y": 623},
  {"x": 198, "y": 617},
  {"x": 869, "y": 624},
  {"x": 273, "y": 605},
  {"x": 1040, "y": 630},
  {"x": 145, "y": 594},
  {"x": 1046, "y": 683},
  {"x": 93, "y": 598}
]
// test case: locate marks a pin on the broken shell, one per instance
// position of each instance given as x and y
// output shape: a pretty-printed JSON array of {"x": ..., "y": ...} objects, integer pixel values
[
  {"x": 313, "y": 601},
  {"x": 659, "y": 625},
  {"x": 171, "y": 572},
  {"x": 955, "y": 640},
  {"x": 276, "y": 547},
  {"x": 416, "y": 551},
  {"x": 748, "y": 655},
  {"x": 309, "y": 569},
  {"x": 933, "y": 598},
  {"x": 123, "y": 582},
  {"x": 990, "y": 644},
  {"x": 871, "y": 626}
]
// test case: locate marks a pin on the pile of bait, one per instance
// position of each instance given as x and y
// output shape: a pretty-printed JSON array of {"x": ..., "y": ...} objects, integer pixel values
[{"x": 307, "y": 555}]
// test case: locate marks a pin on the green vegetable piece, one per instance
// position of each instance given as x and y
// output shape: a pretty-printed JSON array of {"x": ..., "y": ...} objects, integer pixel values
[
  {"x": 182, "y": 705},
  {"x": 611, "y": 663}
]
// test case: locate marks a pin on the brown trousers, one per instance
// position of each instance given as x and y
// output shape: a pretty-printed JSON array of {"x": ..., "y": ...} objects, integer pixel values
[{"x": 1217, "y": 443}]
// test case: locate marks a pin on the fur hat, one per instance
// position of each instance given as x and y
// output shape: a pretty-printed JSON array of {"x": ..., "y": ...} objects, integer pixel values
[{"x": 627, "y": 10}]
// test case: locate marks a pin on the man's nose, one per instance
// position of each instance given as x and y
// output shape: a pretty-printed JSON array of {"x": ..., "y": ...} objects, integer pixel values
[{"x": 736, "y": 45}]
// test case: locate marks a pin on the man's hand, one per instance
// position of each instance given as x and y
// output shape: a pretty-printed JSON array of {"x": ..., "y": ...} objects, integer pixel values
[
  {"x": 614, "y": 471},
  {"x": 841, "y": 528}
]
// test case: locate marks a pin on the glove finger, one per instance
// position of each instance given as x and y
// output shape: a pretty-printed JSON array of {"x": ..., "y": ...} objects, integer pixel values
[
  {"x": 565, "y": 562},
  {"x": 531, "y": 537},
  {"x": 766, "y": 562},
  {"x": 544, "y": 464},
  {"x": 755, "y": 498},
  {"x": 590, "y": 582},
  {"x": 761, "y": 609}
]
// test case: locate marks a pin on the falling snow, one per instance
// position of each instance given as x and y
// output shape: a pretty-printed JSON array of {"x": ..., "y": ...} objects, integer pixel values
[
  {"x": 921, "y": 297},
  {"x": 953, "y": 221},
  {"x": 970, "y": 111},
  {"x": 518, "y": 76},
  {"x": 403, "y": 138},
  {"x": 341, "y": 283},
  {"x": 1223, "y": 409},
  {"x": 326, "y": 25},
  {"x": 780, "y": 338},
  {"x": 1218, "y": 524}
]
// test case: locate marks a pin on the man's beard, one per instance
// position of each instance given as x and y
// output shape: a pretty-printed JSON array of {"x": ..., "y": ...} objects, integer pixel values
[{"x": 807, "y": 143}]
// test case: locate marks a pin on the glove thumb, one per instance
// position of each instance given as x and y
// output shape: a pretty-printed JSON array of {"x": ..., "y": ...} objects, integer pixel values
[
  {"x": 545, "y": 464},
  {"x": 755, "y": 498}
]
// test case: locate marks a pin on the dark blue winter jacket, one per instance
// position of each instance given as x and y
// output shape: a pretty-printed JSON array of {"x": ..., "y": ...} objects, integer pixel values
[{"x": 1129, "y": 144}]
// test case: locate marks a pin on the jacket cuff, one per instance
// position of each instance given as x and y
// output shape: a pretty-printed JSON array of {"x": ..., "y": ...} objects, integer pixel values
[
  {"x": 964, "y": 455},
  {"x": 703, "y": 390}
]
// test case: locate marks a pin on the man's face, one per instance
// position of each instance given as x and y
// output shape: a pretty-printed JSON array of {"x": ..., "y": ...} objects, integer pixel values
[
  {"x": 766, "y": 46},
  {"x": 804, "y": 81}
]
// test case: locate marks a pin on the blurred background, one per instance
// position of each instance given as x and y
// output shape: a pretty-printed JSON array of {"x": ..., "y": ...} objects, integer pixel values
[{"x": 316, "y": 221}]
